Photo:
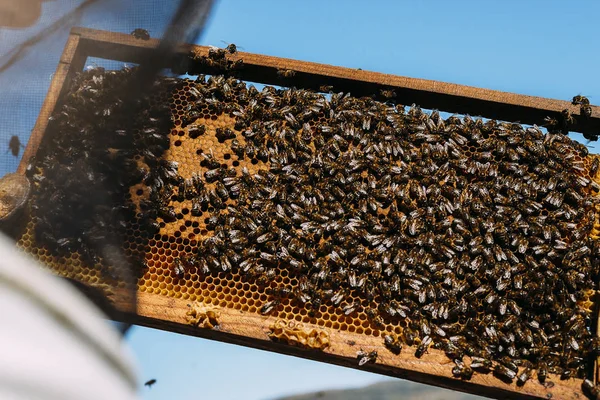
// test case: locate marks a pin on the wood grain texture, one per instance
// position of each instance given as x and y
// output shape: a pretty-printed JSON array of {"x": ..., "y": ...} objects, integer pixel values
[{"x": 253, "y": 329}]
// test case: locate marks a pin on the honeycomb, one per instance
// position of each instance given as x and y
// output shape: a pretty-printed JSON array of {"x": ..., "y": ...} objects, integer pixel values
[{"x": 213, "y": 129}]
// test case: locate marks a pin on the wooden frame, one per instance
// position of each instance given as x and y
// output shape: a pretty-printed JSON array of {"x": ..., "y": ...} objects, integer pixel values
[{"x": 252, "y": 329}]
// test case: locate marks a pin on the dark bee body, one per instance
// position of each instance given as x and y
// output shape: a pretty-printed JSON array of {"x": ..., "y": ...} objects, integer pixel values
[
  {"x": 392, "y": 343},
  {"x": 388, "y": 93},
  {"x": 462, "y": 371},
  {"x": 504, "y": 373},
  {"x": 269, "y": 307},
  {"x": 286, "y": 73},
  {"x": 178, "y": 268},
  {"x": 364, "y": 357},
  {"x": 479, "y": 363},
  {"x": 14, "y": 145},
  {"x": 231, "y": 48},
  {"x": 140, "y": 33},
  {"x": 423, "y": 346},
  {"x": 542, "y": 372},
  {"x": 586, "y": 111},
  {"x": 580, "y": 100},
  {"x": 524, "y": 376},
  {"x": 590, "y": 390},
  {"x": 150, "y": 382}
]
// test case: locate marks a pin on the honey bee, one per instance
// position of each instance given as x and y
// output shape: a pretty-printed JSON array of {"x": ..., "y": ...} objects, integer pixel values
[
  {"x": 568, "y": 118},
  {"x": 140, "y": 33},
  {"x": 480, "y": 363},
  {"x": 423, "y": 346},
  {"x": 269, "y": 307},
  {"x": 542, "y": 371},
  {"x": 586, "y": 111},
  {"x": 580, "y": 100},
  {"x": 196, "y": 130},
  {"x": 392, "y": 343},
  {"x": 350, "y": 308},
  {"x": 363, "y": 357},
  {"x": 591, "y": 390},
  {"x": 231, "y": 48},
  {"x": 150, "y": 382},
  {"x": 462, "y": 371},
  {"x": 524, "y": 376},
  {"x": 388, "y": 93},
  {"x": 566, "y": 374},
  {"x": 15, "y": 145},
  {"x": 179, "y": 268},
  {"x": 286, "y": 73},
  {"x": 216, "y": 54}
]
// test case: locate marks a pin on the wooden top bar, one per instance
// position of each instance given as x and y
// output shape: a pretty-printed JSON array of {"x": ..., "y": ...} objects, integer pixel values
[{"x": 428, "y": 94}]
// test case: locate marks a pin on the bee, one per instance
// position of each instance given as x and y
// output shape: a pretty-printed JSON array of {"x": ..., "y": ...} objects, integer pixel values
[
  {"x": 580, "y": 100},
  {"x": 586, "y": 111},
  {"x": 223, "y": 134},
  {"x": 325, "y": 88},
  {"x": 15, "y": 145},
  {"x": 422, "y": 348},
  {"x": 231, "y": 48},
  {"x": 150, "y": 383},
  {"x": 566, "y": 374},
  {"x": 168, "y": 213},
  {"x": 392, "y": 343},
  {"x": 364, "y": 357},
  {"x": 286, "y": 73},
  {"x": 480, "y": 363},
  {"x": 388, "y": 93},
  {"x": 374, "y": 318},
  {"x": 504, "y": 373},
  {"x": 269, "y": 306},
  {"x": 215, "y": 174},
  {"x": 350, "y": 308},
  {"x": 179, "y": 268},
  {"x": 542, "y": 371},
  {"x": 591, "y": 390},
  {"x": 221, "y": 191},
  {"x": 524, "y": 376},
  {"x": 567, "y": 117},
  {"x": 194, "y": 131},
  {"x": 409, "y": 336},
  {"x": 460, "y": 370},
  {"x": 216, "y": 54},
  {"x": 140, "y": 33}
]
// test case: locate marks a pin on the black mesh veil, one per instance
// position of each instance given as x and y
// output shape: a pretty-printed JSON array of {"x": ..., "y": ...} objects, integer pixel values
[{"x": 32, "y": 38}]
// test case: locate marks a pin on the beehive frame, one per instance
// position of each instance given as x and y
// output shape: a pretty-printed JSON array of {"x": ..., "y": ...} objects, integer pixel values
[{"x": 250, "y": 329}]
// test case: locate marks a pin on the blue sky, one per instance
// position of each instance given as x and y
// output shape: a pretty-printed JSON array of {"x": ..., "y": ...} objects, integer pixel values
[{"x": 535, "y": 47}]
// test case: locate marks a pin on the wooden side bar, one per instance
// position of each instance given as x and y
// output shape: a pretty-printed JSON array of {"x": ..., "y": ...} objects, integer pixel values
[{"x": 71, "y": 61}]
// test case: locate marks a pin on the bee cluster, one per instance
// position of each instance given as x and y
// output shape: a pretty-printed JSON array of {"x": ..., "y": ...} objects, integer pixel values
[
  {"x": 89, "y": 160},
  {"x": 468, "y": 236},
  {"x": 472, "y": 235}
]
